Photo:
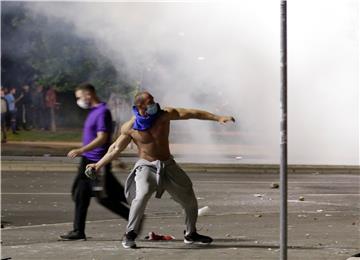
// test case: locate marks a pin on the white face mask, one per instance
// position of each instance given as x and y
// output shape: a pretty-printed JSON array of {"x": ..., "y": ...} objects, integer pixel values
[
  {"x": 152, "y": 109},
  {"x": 81, "y": 103}
]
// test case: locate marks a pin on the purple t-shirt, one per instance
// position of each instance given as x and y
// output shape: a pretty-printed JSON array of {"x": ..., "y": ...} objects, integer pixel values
[{"x": 98, "y": 120}]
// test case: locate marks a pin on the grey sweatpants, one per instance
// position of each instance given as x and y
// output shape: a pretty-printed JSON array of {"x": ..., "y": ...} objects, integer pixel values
[{"x": 175, "y": 181}]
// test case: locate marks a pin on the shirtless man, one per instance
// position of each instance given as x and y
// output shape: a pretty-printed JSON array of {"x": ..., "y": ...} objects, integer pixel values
[{"x": 156, "y": 171}]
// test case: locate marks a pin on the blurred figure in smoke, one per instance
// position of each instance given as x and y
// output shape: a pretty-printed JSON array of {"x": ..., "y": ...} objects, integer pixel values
[
  {"x": 50, "y": 104},
  {"x": 4, "y": 111},
  {"x": 10, "y": 98},
  {"x": 96, "y": 141},
  {"x": 7, "y": 116},
  {"x": 156, "y": 171},
  {"x": 25, "y": 108},
  {"x": 19, "y": 104},
  {"x": 120, "y": 111},
  {"x": 39, "y": 107}
]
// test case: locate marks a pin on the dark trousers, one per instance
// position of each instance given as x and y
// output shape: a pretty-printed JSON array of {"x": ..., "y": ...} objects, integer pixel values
[
  {"x": 38, "y": 118},
  {"x": 27, "y": 116},
  {"x": 108, "y": 192},
  {"x": 13, "y": 120},
  {"x": 23, "y": 116},
  {"x": 3, "y": 127}
]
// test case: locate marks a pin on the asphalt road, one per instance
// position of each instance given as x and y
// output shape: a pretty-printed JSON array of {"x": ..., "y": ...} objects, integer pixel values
[{"x": 243, "y": 218}]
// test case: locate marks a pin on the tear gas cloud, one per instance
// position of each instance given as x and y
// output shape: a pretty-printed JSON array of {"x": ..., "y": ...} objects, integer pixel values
[{"x": 225, "y": 58}]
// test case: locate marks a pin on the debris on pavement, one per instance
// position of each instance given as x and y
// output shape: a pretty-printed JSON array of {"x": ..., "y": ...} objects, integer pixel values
[
  {"x": 159, "y": 237},
  {"x": 203, "y": 211},
  {"x": 274, "y": 185}
]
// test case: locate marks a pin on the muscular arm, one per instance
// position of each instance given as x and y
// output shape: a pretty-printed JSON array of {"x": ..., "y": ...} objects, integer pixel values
[
  {"x": 114, "y": 150},
  {"x": 183, "y": 114},
  {"x": 117, "y": 147}
]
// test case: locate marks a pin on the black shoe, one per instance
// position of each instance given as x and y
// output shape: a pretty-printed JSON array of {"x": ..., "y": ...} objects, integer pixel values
[
  {"x": 129, "y": 240},
  {"x": 195, "y": 238},
  {"x": 73, "y": 235}
]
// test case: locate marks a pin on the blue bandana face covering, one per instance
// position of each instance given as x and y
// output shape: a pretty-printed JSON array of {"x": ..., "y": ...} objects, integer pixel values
[{"x": 143, "y": 123}]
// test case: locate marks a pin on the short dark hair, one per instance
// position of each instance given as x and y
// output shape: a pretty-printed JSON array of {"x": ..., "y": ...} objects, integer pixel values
[{"x": 87, "y": 87}]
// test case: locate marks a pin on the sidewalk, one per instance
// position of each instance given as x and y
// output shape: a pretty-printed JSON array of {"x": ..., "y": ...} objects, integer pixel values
[
  {"x": 51, "y": 156},
  {"x": 39, "y": 148}
]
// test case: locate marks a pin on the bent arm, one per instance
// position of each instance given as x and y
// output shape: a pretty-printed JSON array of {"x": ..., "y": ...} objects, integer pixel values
[
  {"x": 19, "y": 98},
  {"x": 183, "y": 114},
  {"x": 101, "y": 138}
]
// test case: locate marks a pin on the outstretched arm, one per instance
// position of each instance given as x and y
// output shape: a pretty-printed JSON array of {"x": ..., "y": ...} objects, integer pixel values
[
  {"x": 183, "y": 114},
  {"x": 115, "y": 149}
]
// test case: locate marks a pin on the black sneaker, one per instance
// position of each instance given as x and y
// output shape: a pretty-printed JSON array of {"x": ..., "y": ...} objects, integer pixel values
[
  {"x": 129, "y": 240},
  {"x": 196, "y": 238},
  {"x": 73, "y": 235}
]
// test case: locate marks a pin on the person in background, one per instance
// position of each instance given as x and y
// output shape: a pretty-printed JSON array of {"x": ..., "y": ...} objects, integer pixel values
[
  {"x": 50, "y": 104},
  {"x": 4, "y": 110},
  {"x": 38, "y": 106},
  {"x": 25, "y": 108},
  {"x": 120, "y": 110},
  {"x": 10, "y": 98},
  {"x": 19, "y": 105}
]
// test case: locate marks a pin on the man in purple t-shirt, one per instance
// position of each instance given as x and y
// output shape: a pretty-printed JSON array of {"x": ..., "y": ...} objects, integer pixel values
[{"x": 96, "y": 141}]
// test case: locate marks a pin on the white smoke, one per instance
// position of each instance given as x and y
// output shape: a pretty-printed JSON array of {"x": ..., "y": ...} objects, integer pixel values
[{"x": 224, "y": 58}]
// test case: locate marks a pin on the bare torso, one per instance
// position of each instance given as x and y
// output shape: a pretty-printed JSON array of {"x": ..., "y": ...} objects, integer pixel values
[{"x": 153, "y": 144}]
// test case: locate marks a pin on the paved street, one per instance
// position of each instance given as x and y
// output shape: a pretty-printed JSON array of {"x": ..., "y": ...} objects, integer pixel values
[{"x": 243, "y": 218}]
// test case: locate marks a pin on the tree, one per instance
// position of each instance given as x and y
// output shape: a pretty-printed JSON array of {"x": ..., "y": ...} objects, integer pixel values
[{"x": 48, "y": 52}]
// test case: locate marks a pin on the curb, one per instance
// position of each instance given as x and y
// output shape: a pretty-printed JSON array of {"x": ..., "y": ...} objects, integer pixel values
[{"x": 64, "y": 165}]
